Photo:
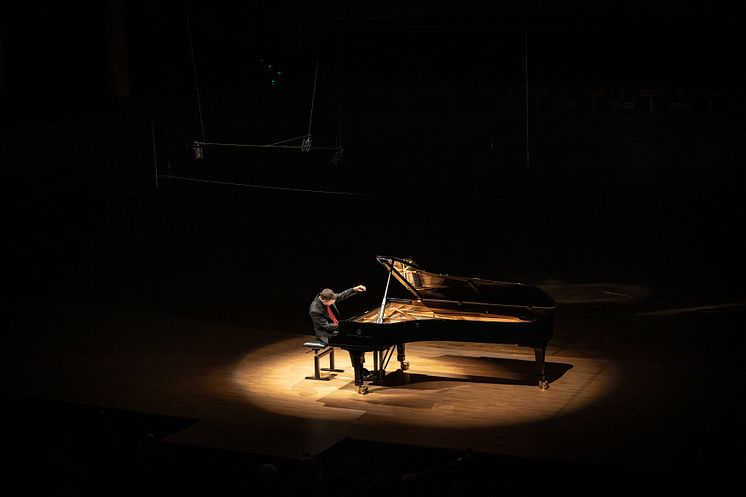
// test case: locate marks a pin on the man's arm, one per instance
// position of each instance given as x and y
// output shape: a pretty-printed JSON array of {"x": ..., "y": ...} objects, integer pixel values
[{"x": 350, "y": 292}]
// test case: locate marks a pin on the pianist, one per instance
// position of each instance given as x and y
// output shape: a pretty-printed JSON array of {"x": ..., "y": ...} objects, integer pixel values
[{"x": 325, "y": 314}]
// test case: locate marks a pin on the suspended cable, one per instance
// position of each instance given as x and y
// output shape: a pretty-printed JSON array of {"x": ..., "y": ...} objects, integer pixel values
[
  {"x": 323, "y": 192},
  {"x": 278, "y": 145},
  {"x": 528, "y": 158},
  {"x": 306, "y": 142},
  {"x": 268, "y": 187},
  {"x": 285, "y": 141},
  {"x": 152, "y": 137},
  {"x": 339, "y": 124},
  {"x": 338, "y": 154},
  {"x": 194, "y": 69},
  {"x": 306, "y": 146}
]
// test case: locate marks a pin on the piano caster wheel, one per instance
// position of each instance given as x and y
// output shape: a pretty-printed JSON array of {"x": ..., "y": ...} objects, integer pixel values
[
  {"x": 543, "y": 384},
  {"x": 362, "y": 389},
  {"x": 404, "y": 365}
]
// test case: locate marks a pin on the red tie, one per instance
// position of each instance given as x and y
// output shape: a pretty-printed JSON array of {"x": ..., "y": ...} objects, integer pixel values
[{"x": 331, "y": 314}]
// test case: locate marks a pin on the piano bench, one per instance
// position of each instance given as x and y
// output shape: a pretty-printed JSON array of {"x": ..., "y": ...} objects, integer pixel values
[{"x": 320, "y": 349}]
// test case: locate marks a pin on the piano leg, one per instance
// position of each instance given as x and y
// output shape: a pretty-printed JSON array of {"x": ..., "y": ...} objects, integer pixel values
[
  {"x": 400, "y": 357},
  {"x": 358, "y": 358},
  {"x": 539, "y": 353}
]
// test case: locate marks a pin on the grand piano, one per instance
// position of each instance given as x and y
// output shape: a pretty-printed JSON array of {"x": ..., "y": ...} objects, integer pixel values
[{"x": 445, "y": 308}]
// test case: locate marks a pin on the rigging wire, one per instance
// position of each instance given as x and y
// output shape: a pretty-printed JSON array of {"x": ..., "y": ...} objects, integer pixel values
[
  {"x": 271, "y": 145},
  {"x": 194, "y": 69},
  {"x": 268, "y": 187},
  {"x": 441, "y": 198},
  {"x": 155, "y": 154},
  {"x": 198, "y": 145},
  {"x": 528, "y": 158},
  {"x": 307, "y": 141},
  {"x": 305, "y": 146}
]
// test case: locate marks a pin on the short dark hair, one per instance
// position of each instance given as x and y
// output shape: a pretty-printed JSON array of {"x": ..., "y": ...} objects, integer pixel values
[{"x": 328, "y": 294}]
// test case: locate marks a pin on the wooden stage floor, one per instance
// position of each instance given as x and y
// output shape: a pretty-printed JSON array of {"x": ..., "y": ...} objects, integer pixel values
[{"x": 635, "y": 382}]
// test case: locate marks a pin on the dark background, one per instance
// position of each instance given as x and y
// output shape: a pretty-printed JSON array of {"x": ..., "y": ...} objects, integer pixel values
[{"x": 623, "y": 162}]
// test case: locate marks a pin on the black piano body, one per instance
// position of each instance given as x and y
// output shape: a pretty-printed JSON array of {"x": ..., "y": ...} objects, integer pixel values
[{"x": 446, "y": 308}]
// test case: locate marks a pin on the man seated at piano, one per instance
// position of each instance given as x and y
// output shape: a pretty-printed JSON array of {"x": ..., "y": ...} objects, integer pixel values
[{"x": 325, "y": 314}]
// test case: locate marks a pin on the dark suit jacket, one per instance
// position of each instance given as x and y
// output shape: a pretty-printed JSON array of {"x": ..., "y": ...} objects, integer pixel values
[{"x": 323, "y": 326}]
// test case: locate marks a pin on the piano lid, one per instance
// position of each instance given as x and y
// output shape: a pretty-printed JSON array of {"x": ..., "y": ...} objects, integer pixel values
[{"x": 433, "y": 287}]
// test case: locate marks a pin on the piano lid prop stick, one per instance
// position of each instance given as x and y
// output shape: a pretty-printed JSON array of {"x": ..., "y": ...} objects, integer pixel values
[{"x": 383, "y": 304}]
